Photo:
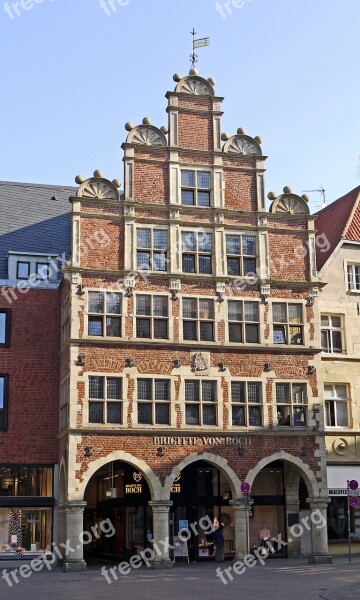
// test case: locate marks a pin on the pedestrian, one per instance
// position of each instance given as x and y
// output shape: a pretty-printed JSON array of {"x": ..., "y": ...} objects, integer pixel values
[{"x": 218, "y": 537}]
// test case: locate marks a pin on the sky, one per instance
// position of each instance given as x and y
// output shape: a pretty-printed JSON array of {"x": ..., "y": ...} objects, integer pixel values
[{"x": 74, "y": 72}]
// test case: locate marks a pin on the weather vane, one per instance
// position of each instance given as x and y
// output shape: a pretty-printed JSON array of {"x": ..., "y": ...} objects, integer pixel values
[{"x": 197, "y": 44}]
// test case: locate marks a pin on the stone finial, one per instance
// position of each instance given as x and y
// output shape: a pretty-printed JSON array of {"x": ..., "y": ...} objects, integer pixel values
[
  {"x": 164, "y": 129},
  {"x": 146, "y": 121},
  {"x": 79, "y": 179},
  {"x": 116, "y": 183},
  {"x": 177, "y": 77},
  {"x": 305, "y": 197},
  {"x": 129, "y": 126},
  {"x": 287, "y": 190},
  {"x": 272, "y": 195},
  {"x": 212, "y": 81},
  {"x": 193, "y": 72},
  {"x": 241, "y": 131},
  {"x": 225, "y": 136},
  {"x": 258, "y": 139},
  {"x": 98, "y": 173}
]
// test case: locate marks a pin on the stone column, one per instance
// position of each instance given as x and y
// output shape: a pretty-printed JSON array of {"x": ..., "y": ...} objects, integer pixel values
[
  {"x": 292, "y": 518},
  {"x": 319, "y": 538},
  {"x": 161, "y": 533},
  {"x": 240, "y": 517},
  {"x": 74, "y": 557},
  {"x": 61, "y": 537}
]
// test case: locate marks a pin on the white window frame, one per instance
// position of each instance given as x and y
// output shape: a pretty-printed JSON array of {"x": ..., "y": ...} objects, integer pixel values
[
  {"x": 351, "y": 277},
  {"x": 196, "y": 189},
  {"x": 198, "y": 321},
  {"x": 198, "y": 252},
  {"x": 152, "y": 250},
  {"x": 247, "y": 404},
  {"x": 336, "y": 400},
  {"x": 152, "y": 318},
  {"x": 106, "y": 400},
  {"x": 201, "y": 403},
  {"x": 154, "y": 402},
  {"x": 292, "y": 405},
  {"x": 104, "y": 314},
  {"x": 330, "y": 329},
  {"x": 241, "y": 257},
  {"x": 243, "y": 323},
  {"x": 287, "y": 324}
]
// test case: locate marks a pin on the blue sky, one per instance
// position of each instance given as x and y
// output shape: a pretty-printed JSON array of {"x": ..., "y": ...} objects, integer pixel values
[{"x": 72, "y": 75}]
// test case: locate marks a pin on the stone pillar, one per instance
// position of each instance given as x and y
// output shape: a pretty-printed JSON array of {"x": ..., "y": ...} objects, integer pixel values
[
  {"x": 161, "y": 533},
  {"x": 319, "y": 538},
  {"x": 292, "y": 518},
  {"x": 74, "y": 557},
  {"x": 61, "y": 538},
  {"x": 240, "y": 517}
]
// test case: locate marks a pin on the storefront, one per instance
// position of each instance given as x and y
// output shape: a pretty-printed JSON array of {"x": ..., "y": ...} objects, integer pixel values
[
  {"x": 26, "y": 510},
  {"x": 338, "y": 522},
  {"x": 118, "y": 492}
]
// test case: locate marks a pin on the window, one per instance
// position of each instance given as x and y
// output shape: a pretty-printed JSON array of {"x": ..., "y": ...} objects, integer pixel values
[
  {"x": 153, "y": 397},
  {"x": 336, "y": 405},
  {"x": 291, "y": 401},
  {"x": 200, "y": 402},
  {"x": 22, "y": 270},
  {"x": 197, "y": 248},
  {"x": 151, "y": 249},
  {"x": 198, "y": 319},
  {"x": 243, "y": 321},
  {"x": 331, "y": 334},
  {"x": 353, "y": 277},
  {"x": 287, "y": 323},
  {"x": 246, "y": 398},
  {"x": 104, "y": 314},
  {"x": 43, "y": 271},
  {"x": 3, "y": 402},
  {"x": 105, "y": 404},
  {"x": 22, "y": 480},
  {"x": 152, "y": 317},
  {"x": 4, "y": 327},
  {"x": 195, "y": 188},
  {"x": 241, "y": 254}
]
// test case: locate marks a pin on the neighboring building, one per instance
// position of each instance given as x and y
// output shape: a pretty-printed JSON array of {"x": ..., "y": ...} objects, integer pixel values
[
  {"x": 339, "y": 304},
  {"x": 190, "y": 346},
  {"x": 34, "y": 234}
]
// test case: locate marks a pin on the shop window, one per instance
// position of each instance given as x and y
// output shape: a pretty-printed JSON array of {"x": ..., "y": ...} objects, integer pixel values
[
  {"x": 241, "y": 254},
  {"x": 105, "y": 394},
  {"x": 153, "y": 399},
  {"x": 151, "y": 249},
  {"x": 3, "y": 402},
  {"x": 104, "y": 310},
  {"x": 200, "y": 402},
  {"x": 331, "y": 334},
  {"x": 152, "y": 316},
  {"x": 246, "y": 399},
  {"x": 353, "y": 278},
  {"x": 5, "y": 327},
  {"x": 243, "y": 320},
  {"x": 26, "y": 528},
  {"x": 337, "y": 520},
  {"x": 336, "y": 405},
  {"x": 198, "y": 319},
  {"x": 291, "y": 404},
  {"x": 195, "y": 188},
  {"x": 287, "y": 323},
  {"x": 197, "y": 250},
  {"x": 26, "y": 481}
]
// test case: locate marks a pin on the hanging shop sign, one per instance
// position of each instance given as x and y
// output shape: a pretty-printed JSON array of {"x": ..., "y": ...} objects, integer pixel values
[
  {"x": 136, "y": 487},
  {"x": 176, "y": 487},
  {"x": 201, "y": 440}
]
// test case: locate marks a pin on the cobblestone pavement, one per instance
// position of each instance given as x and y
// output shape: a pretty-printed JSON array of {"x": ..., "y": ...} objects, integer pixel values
[{"x": 278, "y": 579}]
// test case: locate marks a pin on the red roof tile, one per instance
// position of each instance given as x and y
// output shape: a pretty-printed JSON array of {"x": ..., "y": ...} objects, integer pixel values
[{"x": 341, "y": 219}]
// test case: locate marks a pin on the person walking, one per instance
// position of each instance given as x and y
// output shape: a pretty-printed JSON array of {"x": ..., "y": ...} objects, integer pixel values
[{"x": 218, "y": 537}]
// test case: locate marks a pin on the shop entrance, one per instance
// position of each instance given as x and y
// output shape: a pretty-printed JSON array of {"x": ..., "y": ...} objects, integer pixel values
[
  {"x": 120, "y": 493},
  {"x": 201, "y": 490}
]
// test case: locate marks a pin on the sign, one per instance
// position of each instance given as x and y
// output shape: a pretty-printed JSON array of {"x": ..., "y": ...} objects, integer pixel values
[
  {"x": 134, "y": 488},
  {"x": 180, "y": 548},
  {"x": 183, "y": 524},
  {"x": 343, "y": 492},
  {"x": 176, "y": 487},
  {"x": 202, "y": 440},
  {"x": 245, "y": 487},
  {"x": 354, "y": 501},
  {"x": 353, "y": 484}
]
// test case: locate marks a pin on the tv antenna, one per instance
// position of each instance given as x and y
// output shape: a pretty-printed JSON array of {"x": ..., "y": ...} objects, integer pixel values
[
  {"x": 199, "y": 43},
  {"x": 322, "y": 192}
]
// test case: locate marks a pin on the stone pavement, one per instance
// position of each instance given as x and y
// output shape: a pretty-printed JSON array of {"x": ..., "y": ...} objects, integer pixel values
[{"x": 278, "y": 579}]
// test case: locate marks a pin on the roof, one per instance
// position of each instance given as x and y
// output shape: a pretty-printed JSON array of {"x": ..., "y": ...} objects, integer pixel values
[
  {"x": 339, "y": 220},
  {"x": 34, "y": 218}
]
